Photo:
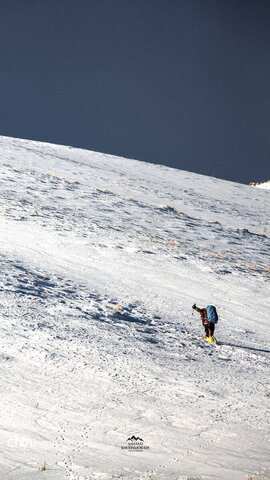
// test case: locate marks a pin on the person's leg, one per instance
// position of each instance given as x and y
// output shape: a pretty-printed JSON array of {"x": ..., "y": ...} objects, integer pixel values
[
  {"x": 206, "y": 327},
  {"x": 211, "y": 329}
]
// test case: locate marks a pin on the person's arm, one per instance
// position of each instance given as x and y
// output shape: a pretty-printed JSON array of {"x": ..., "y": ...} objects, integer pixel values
[{"x": 199, "y": 310}]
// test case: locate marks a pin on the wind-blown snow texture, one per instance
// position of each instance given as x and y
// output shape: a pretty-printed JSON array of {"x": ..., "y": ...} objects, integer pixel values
[{"x": 101, "y": 260}]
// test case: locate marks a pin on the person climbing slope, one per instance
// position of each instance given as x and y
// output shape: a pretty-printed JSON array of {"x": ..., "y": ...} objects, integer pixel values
[{"x": 209, "y": 318}]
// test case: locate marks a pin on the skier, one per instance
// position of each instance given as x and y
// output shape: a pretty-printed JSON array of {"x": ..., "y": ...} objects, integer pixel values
[{"x": 209, "y": 318}]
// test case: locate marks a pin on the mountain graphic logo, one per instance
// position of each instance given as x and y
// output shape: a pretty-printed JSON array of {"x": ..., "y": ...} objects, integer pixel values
[
  {"x": 135, "y": 444},
  {"x": 134, "y": 439}
]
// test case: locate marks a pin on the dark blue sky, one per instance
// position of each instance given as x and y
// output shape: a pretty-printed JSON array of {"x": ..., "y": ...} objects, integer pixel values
[{"x": 185, "y": 83}]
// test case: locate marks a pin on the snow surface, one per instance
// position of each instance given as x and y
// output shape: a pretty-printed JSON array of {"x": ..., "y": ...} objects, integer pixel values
[{"x": 101, "y": 261}]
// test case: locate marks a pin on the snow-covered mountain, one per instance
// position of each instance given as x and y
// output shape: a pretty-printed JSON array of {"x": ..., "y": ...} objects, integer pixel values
[{"x": 101, "y": 261}]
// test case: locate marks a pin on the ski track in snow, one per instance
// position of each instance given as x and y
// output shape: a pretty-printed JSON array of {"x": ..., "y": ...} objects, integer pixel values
[{"x": 101, "y": 259}]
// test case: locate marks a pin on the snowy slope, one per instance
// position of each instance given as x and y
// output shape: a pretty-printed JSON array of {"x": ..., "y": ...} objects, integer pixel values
[{"x": 101, "y": 260}]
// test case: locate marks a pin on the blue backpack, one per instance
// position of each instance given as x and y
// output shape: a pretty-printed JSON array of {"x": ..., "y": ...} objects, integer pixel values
[{"x": 212, "y": 314}]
